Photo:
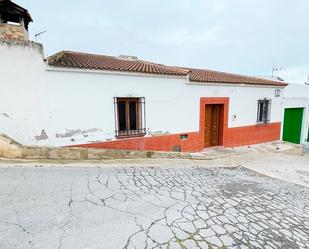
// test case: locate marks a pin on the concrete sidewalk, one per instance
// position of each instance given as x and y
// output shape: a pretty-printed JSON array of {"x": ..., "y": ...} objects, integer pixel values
[
  {"x": 306, "y": 148},
  {"x": 289, "y": 168},
  {"x": 276, "y": 159},
  {"x": 286, "y": 167}
]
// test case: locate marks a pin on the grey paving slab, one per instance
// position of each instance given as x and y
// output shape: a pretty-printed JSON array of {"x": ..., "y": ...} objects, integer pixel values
[{"x": 136, "y": 207}]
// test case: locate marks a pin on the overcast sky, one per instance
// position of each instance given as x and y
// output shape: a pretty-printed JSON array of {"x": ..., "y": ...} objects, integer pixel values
[{"x": 239, "y": 36}]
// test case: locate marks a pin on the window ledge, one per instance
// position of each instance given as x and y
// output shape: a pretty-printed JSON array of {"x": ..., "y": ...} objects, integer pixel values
[
  {"x": 131, "y": 136},
  {"x": 262, "y": 124}
]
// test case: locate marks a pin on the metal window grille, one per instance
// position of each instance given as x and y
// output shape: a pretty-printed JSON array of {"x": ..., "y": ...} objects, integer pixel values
[
  {"x": 140, "y": 119},
  {"x": 264, "y": 111}
]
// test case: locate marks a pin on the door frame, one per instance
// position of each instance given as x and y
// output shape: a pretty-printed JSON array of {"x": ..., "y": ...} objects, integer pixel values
[
  {"x": 214, "y": 112},
  {"x": 224, "y": 114}
]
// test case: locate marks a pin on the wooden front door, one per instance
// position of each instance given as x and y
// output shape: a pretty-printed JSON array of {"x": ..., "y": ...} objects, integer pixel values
[{"x": 212, "y": 125}]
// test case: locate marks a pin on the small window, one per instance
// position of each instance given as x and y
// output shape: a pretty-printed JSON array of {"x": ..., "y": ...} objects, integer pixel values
[
  {"x": 130, "y": 116},
  {"x": 264, "y": 110}
]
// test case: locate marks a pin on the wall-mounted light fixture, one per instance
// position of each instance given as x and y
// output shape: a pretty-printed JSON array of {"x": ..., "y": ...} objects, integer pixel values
[{"x": 277, "y": 93}]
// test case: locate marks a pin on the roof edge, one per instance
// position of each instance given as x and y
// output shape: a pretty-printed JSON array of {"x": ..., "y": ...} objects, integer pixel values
[{"x": 56, "y": 60}]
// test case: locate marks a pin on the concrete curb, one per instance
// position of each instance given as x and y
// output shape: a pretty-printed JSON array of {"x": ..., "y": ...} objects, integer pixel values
[
  {"x": 10, "y": 149},
  {"x": 35, "y": 153},
  {"x": 93, "y": 154}
]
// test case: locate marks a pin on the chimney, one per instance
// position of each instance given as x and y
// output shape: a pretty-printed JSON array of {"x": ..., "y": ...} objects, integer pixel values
[{"x": 14, "y": 21}]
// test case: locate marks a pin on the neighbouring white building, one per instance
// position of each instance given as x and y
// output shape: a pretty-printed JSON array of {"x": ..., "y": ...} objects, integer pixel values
[
  {"x": 296, "y": 114},
  {"x": 78, "y": 99}
]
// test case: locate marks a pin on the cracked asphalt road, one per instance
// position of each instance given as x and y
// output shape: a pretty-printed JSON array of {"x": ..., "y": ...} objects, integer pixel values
[{"x": 136, "y": 207}]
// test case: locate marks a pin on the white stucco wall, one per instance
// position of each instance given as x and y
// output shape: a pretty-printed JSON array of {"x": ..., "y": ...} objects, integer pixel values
[
  {"x": 76, "y": 106},
  {"x": 297, "y": 91},
  {"x": 22, "y": 95},
  {"x": 84, "y": 101}
]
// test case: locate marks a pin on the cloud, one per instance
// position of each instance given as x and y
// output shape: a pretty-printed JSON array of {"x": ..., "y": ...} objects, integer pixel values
[
  {"x": 239, "y": 36},
  {"x": 184, "y": 36},
  {"x": 295, "y": 74}
]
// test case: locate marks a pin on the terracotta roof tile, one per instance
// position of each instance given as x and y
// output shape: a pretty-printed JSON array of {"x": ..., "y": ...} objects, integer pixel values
[
  {"x": 102, "y": 62},
  {"x": 204, "y": 75}
]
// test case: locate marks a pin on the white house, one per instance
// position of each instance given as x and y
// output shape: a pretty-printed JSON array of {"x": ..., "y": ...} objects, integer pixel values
[
  {"x": 78, "y": 99},
  {"x": 296, "y": 114}
]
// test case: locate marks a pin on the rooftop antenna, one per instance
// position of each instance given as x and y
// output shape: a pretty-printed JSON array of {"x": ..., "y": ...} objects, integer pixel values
[
  {"x": 274, "y": 69},
  {"x": 38, "y": 34}
]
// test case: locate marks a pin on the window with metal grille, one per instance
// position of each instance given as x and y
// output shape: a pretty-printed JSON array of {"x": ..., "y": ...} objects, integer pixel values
[
  {"x": 264, "y": 111},
  {"x": 130, "y": 116}
]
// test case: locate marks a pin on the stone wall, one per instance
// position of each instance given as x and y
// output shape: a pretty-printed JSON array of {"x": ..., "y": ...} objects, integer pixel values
[
  {"x": 13, "y": 32},
  {"x": 9, "y": 148}
]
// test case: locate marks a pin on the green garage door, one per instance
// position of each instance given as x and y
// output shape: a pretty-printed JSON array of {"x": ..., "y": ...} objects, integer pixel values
[{"x": 293, "y": 120}]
